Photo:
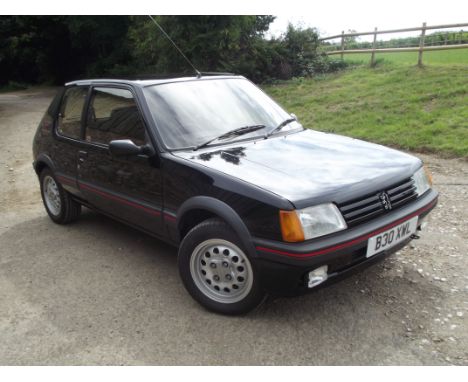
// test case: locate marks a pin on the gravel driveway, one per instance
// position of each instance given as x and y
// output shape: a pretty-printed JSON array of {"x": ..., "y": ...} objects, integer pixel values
[{"x": 96, "y": 292}]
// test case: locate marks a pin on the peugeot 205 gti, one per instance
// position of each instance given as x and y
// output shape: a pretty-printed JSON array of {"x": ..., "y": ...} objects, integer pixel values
[{"x": 255, "y": 203}]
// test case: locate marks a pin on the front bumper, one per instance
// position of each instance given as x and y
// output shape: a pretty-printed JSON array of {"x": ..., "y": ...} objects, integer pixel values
[{"x": 283, "y": 267}]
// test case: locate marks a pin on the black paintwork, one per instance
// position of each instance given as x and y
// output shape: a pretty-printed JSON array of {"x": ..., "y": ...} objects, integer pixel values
[
  {"x": 310, "y": 167},
  {"x": 245, "y": 182}
]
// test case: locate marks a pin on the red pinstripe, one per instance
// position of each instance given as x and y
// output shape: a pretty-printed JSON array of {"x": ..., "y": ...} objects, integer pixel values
[
  {"x": 118, "y": 199},
  {"x": 348, "y": 243}
]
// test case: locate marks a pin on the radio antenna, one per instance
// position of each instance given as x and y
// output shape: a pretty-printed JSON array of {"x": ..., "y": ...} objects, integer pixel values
[{"x": 175, "y": 46}]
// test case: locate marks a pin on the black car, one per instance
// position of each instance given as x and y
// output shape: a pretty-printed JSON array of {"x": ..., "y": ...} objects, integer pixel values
[{"x": 255, "y": 203}]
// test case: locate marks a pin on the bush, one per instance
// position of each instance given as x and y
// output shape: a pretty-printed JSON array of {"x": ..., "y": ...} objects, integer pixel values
[
  {"x": 13, "y": 86},
  {"x": 55, "y": 49}
]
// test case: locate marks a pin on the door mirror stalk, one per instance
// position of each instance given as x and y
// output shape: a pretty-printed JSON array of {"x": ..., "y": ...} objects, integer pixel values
[{"x": 126, "y": 147}]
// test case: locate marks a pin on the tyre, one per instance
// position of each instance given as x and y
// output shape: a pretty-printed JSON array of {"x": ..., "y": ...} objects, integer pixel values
[
  {"x": 60, "y": 207},
  {"x": 216, "y": 270}
]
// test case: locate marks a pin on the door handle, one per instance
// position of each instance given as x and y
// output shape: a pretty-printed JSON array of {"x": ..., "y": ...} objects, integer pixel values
[{"x": 82, "y": 155}]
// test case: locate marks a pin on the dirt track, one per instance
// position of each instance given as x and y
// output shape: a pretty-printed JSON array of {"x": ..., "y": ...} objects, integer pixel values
[{"x": 97, "y": 292}]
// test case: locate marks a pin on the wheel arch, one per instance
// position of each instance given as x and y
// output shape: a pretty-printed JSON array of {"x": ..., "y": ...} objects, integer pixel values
[
  {"x": 42, "y": 162},
  {"x": 211, "y": 207}
]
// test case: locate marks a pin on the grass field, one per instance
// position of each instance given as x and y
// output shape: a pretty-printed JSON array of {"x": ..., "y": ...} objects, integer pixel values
[
  {"x": 437, "y": 57},
  {"x": 424, "y": 110}
]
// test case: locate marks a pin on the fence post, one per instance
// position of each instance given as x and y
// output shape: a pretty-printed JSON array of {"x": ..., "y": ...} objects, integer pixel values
[
  {"x": 421, "y": 45},
  {"x": 342, "y": 44},
  {"x": 372, "y": 62}
]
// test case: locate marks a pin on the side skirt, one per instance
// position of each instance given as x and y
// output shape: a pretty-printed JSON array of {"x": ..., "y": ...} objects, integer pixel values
[{"x": 166, "y": 240}]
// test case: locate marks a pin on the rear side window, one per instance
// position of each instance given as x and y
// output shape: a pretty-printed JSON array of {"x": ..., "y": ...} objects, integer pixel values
[
  {"x": 113, "y": 115},
  {"x": 54, "y": 107},
  {"x": 69, "y": 121}
]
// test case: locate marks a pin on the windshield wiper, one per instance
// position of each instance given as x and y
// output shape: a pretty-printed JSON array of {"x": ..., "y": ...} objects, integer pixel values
[
  {"x": 280, "y": 126},
  {"x": 235, "y": 132}
]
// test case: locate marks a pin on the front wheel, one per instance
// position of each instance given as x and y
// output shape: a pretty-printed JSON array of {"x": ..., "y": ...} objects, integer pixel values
[{"x": 216, "y": 270}]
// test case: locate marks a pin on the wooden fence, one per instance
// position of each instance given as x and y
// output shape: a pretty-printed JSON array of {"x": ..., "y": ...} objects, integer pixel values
[{"x": 420, "y": 49}]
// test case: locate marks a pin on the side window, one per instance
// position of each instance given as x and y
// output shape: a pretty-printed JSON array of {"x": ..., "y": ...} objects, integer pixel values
[
  {"x": 113, "y": 114},
  {"x": 69, "y": 121}
]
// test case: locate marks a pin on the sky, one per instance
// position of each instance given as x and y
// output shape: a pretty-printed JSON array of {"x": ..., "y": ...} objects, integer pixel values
[{"x": 332, "y": 17}]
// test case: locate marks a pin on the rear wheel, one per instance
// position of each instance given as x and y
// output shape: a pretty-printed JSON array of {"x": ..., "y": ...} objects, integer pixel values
[
  {"x": 58, "y": 203},
  {"x": 216, "y": 270}
]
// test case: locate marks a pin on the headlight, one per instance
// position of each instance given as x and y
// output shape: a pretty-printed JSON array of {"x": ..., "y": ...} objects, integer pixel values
[
  {"x": 311, "y": 222},
  {"x": 422, "y": 181}
]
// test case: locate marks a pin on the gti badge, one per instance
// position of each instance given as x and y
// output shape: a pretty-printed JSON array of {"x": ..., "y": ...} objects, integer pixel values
[{"x": 385, "y": 200}]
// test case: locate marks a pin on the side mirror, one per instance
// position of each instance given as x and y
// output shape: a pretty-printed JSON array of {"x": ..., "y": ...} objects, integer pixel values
[
  {"x": 294, "y": 116},
  {"x": 124, "y": 147}
]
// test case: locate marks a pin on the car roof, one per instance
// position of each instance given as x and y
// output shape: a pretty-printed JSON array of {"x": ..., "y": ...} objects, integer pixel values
[{"x": 146, "y": 80}]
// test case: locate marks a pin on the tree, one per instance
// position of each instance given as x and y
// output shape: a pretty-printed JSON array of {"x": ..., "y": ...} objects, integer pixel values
[
  {"x": 210, "y": 42},
  {"x": 58, "y": 48},
  {"x": 55, "y": 49}
]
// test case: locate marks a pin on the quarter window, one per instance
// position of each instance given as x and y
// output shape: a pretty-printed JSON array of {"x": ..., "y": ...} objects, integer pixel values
[
  {"x": 113, "y": 115},
  {"x": 69, "y": 121}
]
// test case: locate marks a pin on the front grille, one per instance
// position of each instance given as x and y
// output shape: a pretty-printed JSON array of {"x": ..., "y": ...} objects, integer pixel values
[{"x": 360, "y": 210}]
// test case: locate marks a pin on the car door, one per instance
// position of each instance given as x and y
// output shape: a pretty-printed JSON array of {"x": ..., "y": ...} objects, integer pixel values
[
  {"x": 68, "y": 136},
  {"x": 130, "y": 187}
]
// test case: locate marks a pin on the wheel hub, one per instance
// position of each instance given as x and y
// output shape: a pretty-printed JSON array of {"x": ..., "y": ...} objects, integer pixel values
[
  {"x": 52, "y": 195},
  {"x": 221, "y": 270}
]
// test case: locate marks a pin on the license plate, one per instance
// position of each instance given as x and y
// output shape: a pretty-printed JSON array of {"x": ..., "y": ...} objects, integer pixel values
[{"x": 391, "y": 237}]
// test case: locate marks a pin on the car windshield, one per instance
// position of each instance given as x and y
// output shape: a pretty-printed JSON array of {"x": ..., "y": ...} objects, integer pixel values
[{"x": 190, "y": 113}]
